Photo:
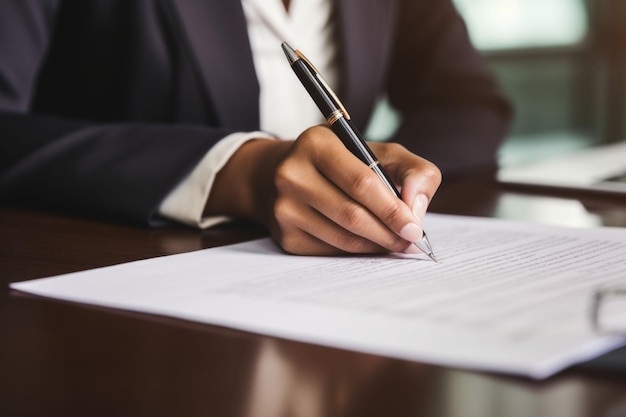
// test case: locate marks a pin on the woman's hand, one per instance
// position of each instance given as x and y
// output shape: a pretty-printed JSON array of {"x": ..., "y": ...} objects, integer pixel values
[{"x": 316, "y": 198}]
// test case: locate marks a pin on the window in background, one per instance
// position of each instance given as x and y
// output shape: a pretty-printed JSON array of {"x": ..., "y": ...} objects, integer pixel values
[
  {"x": 536, "y": 49},
  {"x": 510, "y": 24},
  {"x": 539, "y": 51}
]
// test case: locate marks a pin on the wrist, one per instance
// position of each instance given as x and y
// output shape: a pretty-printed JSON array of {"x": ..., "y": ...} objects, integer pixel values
[{"x": 244, "y": 187}]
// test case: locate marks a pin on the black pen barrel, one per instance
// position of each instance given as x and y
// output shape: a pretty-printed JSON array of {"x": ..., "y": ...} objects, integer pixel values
[
  {"x": 352, "y": 139},
  {"x": 318, "y": 93},
  {"x": 342, "y": 126}
]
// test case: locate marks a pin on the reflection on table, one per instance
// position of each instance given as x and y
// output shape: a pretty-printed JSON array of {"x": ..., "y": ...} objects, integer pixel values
[{"x": 59, "y": 358}]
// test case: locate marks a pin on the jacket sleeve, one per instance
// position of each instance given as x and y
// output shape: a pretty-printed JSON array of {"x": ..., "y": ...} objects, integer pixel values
[
  {"x": 453, "y": 113},
  {"x": 119, "y": 171}
]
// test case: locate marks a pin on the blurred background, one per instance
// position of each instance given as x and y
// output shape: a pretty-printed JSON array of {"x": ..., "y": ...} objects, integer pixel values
[{"x": 563, "y": 65}]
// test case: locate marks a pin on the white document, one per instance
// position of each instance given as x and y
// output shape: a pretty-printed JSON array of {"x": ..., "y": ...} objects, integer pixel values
[{"x": 507, "y": 296}]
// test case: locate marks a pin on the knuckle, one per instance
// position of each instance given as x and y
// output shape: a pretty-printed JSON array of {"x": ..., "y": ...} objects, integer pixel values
[
  {"x": 283, "y": 212},
  {"x": 284, "y": 234},
  {"x": 362, "y": 184},
  {"x": 390, "y": 148},
  {"x": 281, "y": 176},
  {"x": 393, "y": 211},
  {"x": 312, "y": 136},
  {"x": 432, "y": 173},
  {"x": 395, "y": 147},
  {"x": 285, "y": 176},
  {"x": 353, "y": 244},
  {"x": 353, "y": 215}
]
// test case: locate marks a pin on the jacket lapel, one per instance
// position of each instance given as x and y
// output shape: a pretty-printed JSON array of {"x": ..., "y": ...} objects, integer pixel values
[
  {"x": 226, "y": 66},
  {"x": 218, "y": 38},
  {"x": 366, "y": 35}
]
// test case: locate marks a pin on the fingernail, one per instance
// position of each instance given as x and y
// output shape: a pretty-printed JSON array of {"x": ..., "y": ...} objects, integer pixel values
[
  {"x": 411, "y": 232},
  {"x": 420, "y": 204}
]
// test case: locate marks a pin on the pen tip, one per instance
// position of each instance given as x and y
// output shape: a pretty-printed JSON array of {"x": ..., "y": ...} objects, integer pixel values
[{"x": 424, "y": 245}]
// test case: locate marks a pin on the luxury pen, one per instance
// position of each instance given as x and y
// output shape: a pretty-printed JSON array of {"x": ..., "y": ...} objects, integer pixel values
[{"x": 339, "y": 121}]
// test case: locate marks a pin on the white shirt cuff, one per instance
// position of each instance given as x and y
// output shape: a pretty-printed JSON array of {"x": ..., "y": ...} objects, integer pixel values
[{"x": 186, "y": 202}]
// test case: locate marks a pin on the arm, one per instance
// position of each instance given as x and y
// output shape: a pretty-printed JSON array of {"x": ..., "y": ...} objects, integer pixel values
[
  {"x": 119, "y": 171},
  {"x": 311, "y": 193}
]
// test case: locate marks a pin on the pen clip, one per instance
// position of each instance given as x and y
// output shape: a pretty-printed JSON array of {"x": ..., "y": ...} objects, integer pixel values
[{"x": 321, "y": 79}]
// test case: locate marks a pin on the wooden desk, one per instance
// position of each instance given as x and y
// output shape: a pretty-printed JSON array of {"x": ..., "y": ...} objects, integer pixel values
[{"x": 62, "y": 359}]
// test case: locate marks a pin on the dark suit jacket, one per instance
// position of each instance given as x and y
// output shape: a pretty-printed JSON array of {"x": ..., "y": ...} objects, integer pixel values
[{"x": 105, "y": 105}]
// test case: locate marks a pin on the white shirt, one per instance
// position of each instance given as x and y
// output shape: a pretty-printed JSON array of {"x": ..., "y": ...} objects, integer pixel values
[{"x": 285, "y": 107}]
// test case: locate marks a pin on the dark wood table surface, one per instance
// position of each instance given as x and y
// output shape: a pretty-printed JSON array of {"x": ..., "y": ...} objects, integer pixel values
[{"x": 64, "y": 359}]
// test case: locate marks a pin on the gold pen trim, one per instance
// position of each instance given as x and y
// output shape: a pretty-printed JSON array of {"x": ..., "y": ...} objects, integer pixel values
[
  {"x": 373, "y": 164},
  {"x": 321, "y": 79},
  {"x": 334, "y": 116}
]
